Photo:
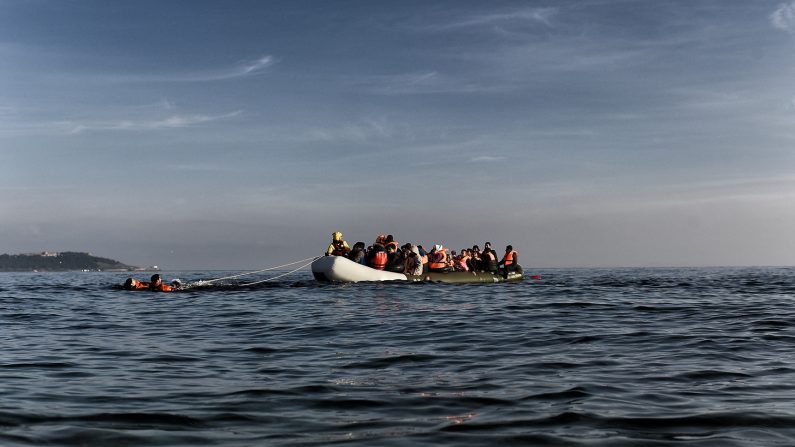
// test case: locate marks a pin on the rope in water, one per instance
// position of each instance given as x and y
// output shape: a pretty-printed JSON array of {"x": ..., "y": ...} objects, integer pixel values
[
  {"x": 283, "y": 274},
  {"x": 204, "y": 282}
]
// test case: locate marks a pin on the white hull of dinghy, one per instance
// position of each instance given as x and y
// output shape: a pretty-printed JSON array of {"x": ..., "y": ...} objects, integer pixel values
[{"x": 338, "y": 268}]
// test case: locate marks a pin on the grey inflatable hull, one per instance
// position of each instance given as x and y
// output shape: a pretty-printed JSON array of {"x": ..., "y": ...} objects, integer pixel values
[{"x": 341, "y": 269}]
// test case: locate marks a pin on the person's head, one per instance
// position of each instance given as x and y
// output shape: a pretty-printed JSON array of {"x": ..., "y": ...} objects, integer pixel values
[
  {"x": 487, "y": 246},
  {"x": 389, "y": 238},
  {"x": 155, "y": 280},
  {"x": 475, "y": 248},
  {"x": 509, "y": 248},
  {"x": 437, "y": 247},
  {"x": 381, "y": 239},
  {"x": 130, "y": 283},
  {"x": 358, "y": 246},
  {"x": 336, "y": 236}
]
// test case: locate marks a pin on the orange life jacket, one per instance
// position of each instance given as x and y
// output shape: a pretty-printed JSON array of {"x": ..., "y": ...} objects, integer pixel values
[
  {"x": 462, "y": 263},
  {"x": 139, "y": 285},
  {"x": 163, "y": 287},
  {"x": 439, "y": 260},
  {"x": 379, "y": 260},
  {"x": 507, "y": 260}
]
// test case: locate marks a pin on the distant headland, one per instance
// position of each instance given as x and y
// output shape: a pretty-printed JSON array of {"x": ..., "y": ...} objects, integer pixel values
[{"x": 60, "y": 262}]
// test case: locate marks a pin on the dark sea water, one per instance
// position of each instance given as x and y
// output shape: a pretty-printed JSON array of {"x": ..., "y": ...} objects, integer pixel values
[{"x": 624, "y": 357}]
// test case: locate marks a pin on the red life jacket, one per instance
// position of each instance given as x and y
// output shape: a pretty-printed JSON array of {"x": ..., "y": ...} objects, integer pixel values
[
  {"x": 339, "y": 249},
  {"x": 379, "y": 260}
]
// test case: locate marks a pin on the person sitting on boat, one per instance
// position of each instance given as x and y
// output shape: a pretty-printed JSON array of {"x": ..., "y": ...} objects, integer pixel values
[
  {"x": 437, "y": 259},
  {"x": 488, "y": 261},
  {"x": 462, "y": 262},
  {"x": 134, "y": 284},
  {"x": 395, "y": 259},
  {"x": 509, "y": 261},
  {"x": 377, "y": 257},
  {"x": 390, "y": 241},
  {"x": 338, "y": 246},
  {"x": 424, "y": 258},
  {"x": 413, "y": 262},
  {"x": 358, "y": 254},
  {"x": 156, "y": 284}
]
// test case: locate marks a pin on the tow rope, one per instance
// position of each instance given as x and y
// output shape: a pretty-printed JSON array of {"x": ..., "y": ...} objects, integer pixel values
[{"x": 207, "y": 282}]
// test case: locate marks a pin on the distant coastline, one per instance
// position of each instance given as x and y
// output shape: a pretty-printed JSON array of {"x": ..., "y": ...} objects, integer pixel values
[{"x": 66, "y": 261}]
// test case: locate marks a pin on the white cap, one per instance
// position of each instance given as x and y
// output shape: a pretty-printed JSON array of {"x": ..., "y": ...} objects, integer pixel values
[{"x": 437, "y": 247}]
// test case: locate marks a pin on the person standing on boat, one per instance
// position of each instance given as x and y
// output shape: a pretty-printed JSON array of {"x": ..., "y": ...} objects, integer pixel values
[
  {"x": 338, "y": 246},
  {"x": 509, "y": 261}
]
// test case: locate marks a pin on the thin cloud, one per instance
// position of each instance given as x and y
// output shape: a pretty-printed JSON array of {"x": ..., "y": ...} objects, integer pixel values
[
  {"x": 171, "y": 122},
  {"x": 244, "y": 69},
  {"x": 431, "y": 82},
  {"x": 486, "y": 158},
  {"x": 533, "y": 15},
  {"x": 784, "y": 17}
]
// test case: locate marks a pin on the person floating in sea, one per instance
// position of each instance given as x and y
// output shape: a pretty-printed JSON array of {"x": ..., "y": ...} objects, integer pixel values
[
  {"x": 134, "y": 284},
  {"x": 155, "y": 284},
  {"x": 338, "y": 246}
]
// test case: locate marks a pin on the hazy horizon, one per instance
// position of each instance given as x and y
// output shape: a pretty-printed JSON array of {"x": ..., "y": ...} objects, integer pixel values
[{"x": 209, "y": 135}]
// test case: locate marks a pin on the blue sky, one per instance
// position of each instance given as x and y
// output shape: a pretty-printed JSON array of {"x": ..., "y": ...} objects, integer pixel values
[{"x": 239, "y": 134}]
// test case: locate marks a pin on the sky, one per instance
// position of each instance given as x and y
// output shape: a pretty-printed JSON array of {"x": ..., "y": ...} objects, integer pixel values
[{"x": 241, "y": 134}]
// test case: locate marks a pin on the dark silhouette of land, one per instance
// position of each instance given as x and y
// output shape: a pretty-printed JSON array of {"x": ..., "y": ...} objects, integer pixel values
[{"x": 59, "y": 262}]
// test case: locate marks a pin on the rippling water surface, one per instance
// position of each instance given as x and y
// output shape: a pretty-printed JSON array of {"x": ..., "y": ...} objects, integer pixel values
[{"x": 700, "y": 357}]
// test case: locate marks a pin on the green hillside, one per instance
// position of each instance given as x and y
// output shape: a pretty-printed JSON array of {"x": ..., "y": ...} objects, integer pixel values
[{"x": 58, "y": 262}]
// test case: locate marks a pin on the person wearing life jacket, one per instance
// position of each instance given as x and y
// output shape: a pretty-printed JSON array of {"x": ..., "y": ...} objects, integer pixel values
[
  {"x": 509, "y": 261},
  {"x": 377, "y": 257},
  {"x": 462, "y": 261},
  {"x": 390, "y": 241},
  {"x": 358, "y": 254},
  {"x": 423, "y": 258},
  {"x": 338, "y": 246},
  {"x": 437, "y": 259},
  {"x": 156, "y": 284},
  {"x": 134, "y": 284}
]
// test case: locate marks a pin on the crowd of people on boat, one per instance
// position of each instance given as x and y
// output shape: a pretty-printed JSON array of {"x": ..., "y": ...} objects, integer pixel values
[{"x": 410, "y": 259}]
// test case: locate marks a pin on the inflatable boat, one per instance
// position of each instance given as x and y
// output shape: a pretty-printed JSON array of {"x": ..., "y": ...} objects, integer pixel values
[{"x": 341, "y": 269}]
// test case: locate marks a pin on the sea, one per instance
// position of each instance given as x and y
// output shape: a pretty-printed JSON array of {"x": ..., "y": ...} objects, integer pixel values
[{"x": 578, "y": 357}]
